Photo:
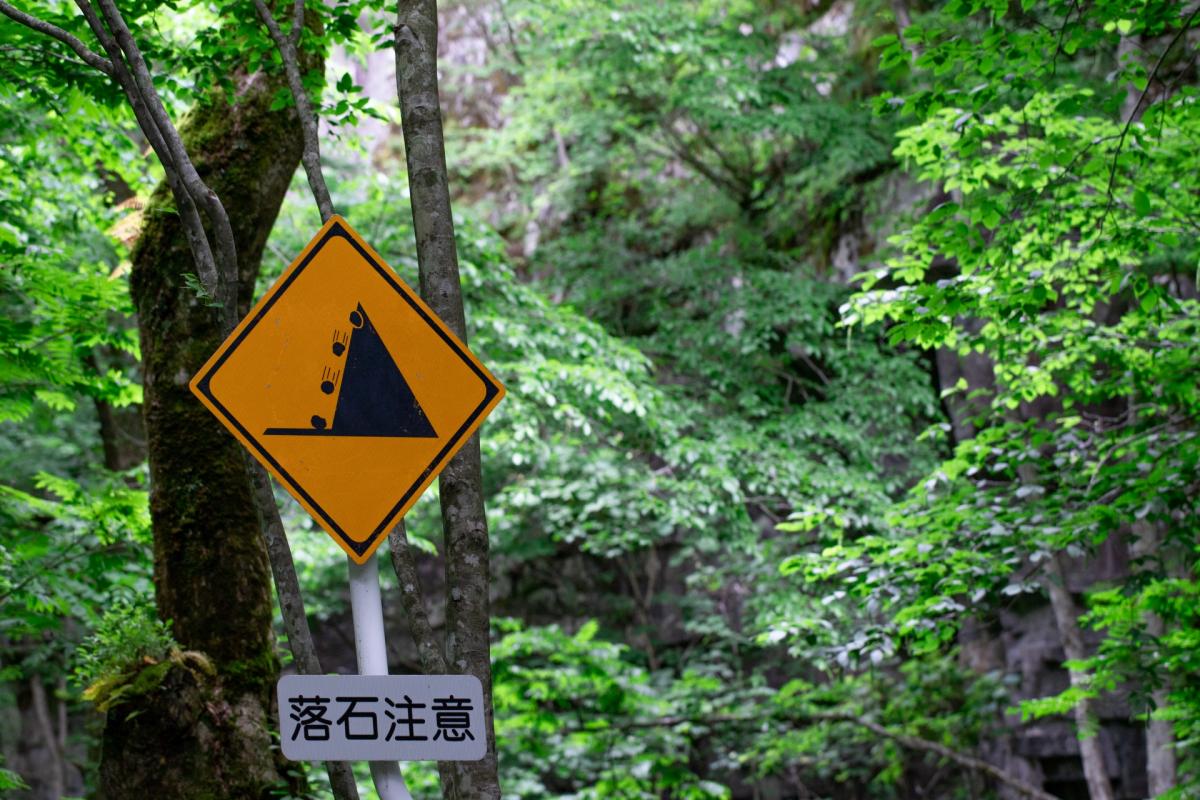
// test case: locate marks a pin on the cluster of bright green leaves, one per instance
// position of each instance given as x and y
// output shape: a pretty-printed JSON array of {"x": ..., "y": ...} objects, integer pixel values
[
  {"x": 1133, "y": 653},
  {"x": 53, "y": 212},
  {"x": 62, "y": 554},
  {"x": 126, "y": 637},
  {"x": 1064, "y": 251},
  {"x": 68, "y": 551},
  {"x": 578, "y": 716},
  {"x": 72, "y": 536}
]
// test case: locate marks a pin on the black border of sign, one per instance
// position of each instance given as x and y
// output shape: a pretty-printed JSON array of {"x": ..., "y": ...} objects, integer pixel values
[{"x": 490, "y": 388}]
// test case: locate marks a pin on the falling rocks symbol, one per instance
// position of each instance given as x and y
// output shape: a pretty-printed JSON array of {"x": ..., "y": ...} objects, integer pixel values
[{"x": 374, "y": 399}]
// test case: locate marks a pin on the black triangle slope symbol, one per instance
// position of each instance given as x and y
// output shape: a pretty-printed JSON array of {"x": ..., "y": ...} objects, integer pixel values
[{"x": 374, "y": 399}]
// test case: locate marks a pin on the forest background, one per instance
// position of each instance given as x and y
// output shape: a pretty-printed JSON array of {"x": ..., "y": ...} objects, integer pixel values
[{"x": 850, "y": 446}]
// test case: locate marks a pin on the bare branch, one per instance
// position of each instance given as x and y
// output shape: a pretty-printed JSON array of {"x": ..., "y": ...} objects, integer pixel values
[
  {"x": 903, "y": 739},
  {"x": 311, "y": 155},
  {"x": 92, "y": 58},
  {"x": 291, "y": 606},
  {"x": 206, "y": 267},
  {"x": 1112, "y": 173},
  {"x": 433, "y": 661},
  {"x": 297, "y": 24},
  {"x": 206, "y": 198},
  {"x": 684, "y": 153}
]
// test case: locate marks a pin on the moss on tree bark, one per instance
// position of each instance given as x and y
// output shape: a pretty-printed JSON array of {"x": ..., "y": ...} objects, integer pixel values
[{"x": 201, "y": 737}]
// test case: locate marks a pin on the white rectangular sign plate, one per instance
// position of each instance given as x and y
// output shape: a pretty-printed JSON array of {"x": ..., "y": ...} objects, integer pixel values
[{"x": 381, "y": 717}]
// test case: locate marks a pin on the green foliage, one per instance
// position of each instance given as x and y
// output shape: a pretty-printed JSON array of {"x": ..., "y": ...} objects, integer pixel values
[
  {"x": 57, "y": 275},
  {"x": 61, "y": 558},
  {"x": 129, "y": 654},
  {"x": 126, "y": 636},
  {"x": 1061, "y": 249},
  {"x": 934, "y": 699},
  {"x": 572, "y": 703},
  {"x": 10, "y": 780},
  {"x": 711, "y": 444}
]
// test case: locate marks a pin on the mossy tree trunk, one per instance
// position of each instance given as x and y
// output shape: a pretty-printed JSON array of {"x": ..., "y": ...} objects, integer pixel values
[{"x": 195, "y": 735}]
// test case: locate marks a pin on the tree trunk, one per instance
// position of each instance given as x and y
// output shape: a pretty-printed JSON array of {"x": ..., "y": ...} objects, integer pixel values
[
  {"x": 1066, "y": 616},
  {"x": 39, "y": 756},
  {"x": 1162, "y": 765},
  {"x": 464, "y": 524},
  {"x": 122, "y": 433},
  {"x": 197, "y": 735}
]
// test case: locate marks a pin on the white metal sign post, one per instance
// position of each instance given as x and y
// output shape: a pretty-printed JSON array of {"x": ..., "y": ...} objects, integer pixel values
[
  {"x": 366, "y": 606},
  {"x": 377, "y": 717}
]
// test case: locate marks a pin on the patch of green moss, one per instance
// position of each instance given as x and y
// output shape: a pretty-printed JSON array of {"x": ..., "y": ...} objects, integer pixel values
[
  {"x": 252, "y": 674},
  {"x": 110, "y": 691}
]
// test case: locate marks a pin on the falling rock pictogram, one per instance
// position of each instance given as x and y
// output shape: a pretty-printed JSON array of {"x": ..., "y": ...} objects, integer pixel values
[{"x": 373, "y": 399}]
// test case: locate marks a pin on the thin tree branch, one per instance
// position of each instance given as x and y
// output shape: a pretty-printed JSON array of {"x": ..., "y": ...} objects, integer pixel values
[
  {"x": 464, "y": 523},
  {"x": 903, "y": 739},
  {"x": 736, "y": 175},
  {"x": 512, "y": 36},
  {"x": 404, "y": 562},
  {"x": 311, "y": 155},
  {"x": 1112, "y": 172},
  {"x": 206, "y": 266},
  {"x": 205, "y": 197},
  {"x": 684, "y": 154},
  {"x": 283, "y": 567},
  {"x": 1062, "y": 33},
  {"x": 963, "y": 760},
  {"x": 297, "y": 25},
  {"x": 291, "y": 606},
  {"x": 41, "y": 26}
]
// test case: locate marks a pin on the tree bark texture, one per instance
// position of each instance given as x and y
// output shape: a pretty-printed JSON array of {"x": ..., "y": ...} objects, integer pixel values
[
  {"x": 208, "y": 736},
  {"x": 1150, "y": 547},
  {"x": 464, "y": 524},
  {"x": 1162, "y": 763}
]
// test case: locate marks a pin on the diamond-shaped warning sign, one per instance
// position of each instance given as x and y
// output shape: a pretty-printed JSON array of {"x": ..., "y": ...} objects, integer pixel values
[{"x": 348, "y": 388}]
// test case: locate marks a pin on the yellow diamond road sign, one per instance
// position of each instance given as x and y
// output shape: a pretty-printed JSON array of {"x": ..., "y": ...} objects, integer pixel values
[{"x": 348, "y": 388}]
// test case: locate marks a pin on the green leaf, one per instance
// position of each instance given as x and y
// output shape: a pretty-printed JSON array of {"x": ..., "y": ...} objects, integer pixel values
[{"x": 1141, "y": 203}]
